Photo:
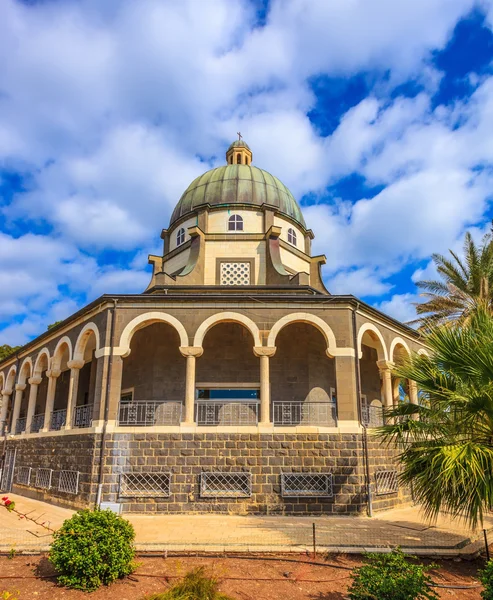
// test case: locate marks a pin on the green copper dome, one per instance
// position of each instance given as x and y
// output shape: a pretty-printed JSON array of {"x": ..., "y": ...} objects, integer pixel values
[{"x": 233, "y": 185}]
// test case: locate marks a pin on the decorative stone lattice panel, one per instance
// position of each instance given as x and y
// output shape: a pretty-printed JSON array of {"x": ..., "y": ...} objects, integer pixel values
[
  {"x": 307, "y": 484},
  {"x": 387, "y": 482},
  {"x": 216, "y": 484},
  {"x": 144, "y": 485},
  {"x": 235, "y": 273},
  {"x": 43, "y": 478},
  {"x": 24, "y": 475},
  {"x": 68, "y": 482}
]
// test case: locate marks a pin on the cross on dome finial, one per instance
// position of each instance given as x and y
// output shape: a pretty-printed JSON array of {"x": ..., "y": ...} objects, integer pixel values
[{"x": 239, "y": 135}]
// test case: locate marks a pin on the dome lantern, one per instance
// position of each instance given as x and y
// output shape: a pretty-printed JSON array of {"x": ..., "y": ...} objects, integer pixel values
[{"x": 239, "y": 153}]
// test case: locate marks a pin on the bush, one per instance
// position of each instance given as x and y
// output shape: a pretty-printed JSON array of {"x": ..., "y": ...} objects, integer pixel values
[
  {"x": 486, "y": 578},
  {"x": 93, "y": 548},
  {"x": 195, "y": 586},
  {"x": 391, "y": 577}
]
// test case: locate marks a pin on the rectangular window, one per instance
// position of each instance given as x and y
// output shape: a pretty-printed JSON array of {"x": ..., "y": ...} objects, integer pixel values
[
  {"x": 228, "y": 394},
  {"x": 24, "y": 475},
  {"x": 386, "y": 482},
  {"x": 215, "y": 484},
  {"x": 145, "y": 485},
  {"x": 307, "y": 484},
  {"x": 68, "y": 482},
  {"x": 43, "y": 478},
  {"x": 126, "y": 396}
]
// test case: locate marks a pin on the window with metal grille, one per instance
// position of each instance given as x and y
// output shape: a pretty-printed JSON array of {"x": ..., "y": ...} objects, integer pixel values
[
  {"x": 307, "y": 484},
  {"x": 386, "y": 482},
  {"x": 292, "y": 236},
  {"x": 235, "y": 223},
  {"x": 215, "y": 484},
  {"x": 43, "y": 478},
  {"x": 144, "y": 485},
  {"x": 235, "y": 273},
  {"x": 24, "y": 475},
  {"x": 180, "y": 237},
  {"x": 68, "y": 482}
]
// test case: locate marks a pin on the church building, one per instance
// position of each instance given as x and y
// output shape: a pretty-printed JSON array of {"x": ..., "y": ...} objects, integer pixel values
[{"x": 234, "y": 383}]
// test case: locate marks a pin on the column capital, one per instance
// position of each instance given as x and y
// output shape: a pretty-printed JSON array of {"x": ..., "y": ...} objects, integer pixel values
[
  {"x": 75, "y": 364},
  {"x": 20, "y": 387},
  {"x": 53, "y": 373},
  {"x": 195, "y": 351},
  {"x": 6, "y": 392},
  {"x": 385, "y": 365},
  {"x": 35, "y": 380},
  {"x": 264, "y": 350}
]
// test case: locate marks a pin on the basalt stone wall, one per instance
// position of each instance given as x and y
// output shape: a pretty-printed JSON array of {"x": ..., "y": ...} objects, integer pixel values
[
  {"x": 59, "y": 453},
  {"x": 265, "y": 456}
]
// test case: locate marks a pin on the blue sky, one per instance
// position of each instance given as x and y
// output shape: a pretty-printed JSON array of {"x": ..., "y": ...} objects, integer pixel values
[{"x": 377, "y": 114}]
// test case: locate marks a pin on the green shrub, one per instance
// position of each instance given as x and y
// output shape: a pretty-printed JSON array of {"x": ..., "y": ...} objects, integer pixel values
[
  {"x": 195, "y": 586},
  {"x": 93, "y": 548},
  {"x": 391, "y": 577},
  {"x": 486, "y": 578}
]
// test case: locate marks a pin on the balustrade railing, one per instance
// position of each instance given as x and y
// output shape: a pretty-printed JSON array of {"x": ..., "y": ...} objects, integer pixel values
[
  {"x": 226, "y": 412},
  {"x": 149, "y": 413},
  {"x": 83, "y": 415},
  {"x": 37, "y": 422},
  {"x": 20, "y": 426},
  {"x": 305, "y": 413},
  {"x": 372, "y": 416},
  {"x": 58, "y": 418}
]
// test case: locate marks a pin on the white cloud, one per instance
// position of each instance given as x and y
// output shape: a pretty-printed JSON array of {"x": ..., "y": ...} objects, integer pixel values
[
  {"x": 360, "y": 282},
  {"x": 400, "y": 307}
]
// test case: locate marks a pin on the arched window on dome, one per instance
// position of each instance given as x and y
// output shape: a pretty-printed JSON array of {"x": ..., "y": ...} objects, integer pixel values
[
  {"x": 238, "y": 159},
  {"x": 235, "y": 223},
  {"x": 180, "y": 236},
  {"x": 292, "y": 236}
]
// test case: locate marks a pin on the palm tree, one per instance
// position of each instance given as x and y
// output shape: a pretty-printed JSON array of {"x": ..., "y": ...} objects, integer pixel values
[
  {"x": 465, "y": 284},
  {"x": 446, "y": 450}
]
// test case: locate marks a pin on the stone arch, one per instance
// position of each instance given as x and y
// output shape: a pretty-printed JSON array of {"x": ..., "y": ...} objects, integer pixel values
[
  {"x": 64, "y": 342},
  {"x": 84, "y": 336},
  {"x": 10, "y": 380},
  {"x": 147, "y": 319},
  {"x": 226, "y": 317},
  {"x": 372, "y": 329},
  {"x": 305, "y": 318},
  {"x": 38, "y": 366},
  {"x": 26, "y": 370},
  {"x": 398, "y": 342}
]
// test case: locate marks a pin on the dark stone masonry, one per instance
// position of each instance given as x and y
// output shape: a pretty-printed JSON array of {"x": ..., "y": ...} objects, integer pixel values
[{"x": 186, "y": 456}]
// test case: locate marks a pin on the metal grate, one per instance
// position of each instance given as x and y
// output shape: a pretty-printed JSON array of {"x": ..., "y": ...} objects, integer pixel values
[
  {"x": 144, "y": 485},
  {"x": 68, "y": 482},
  {"x": 387, "y": 482},
  {"x": 37, "y": 422},
  {"x": 307, "y": 484},
  {"x": 235, "y": 273},
  {"x": 372, "y": 416},
  {"x": 43, "y": 478},
  {"x": 7, "y": 474},
  {"x": 83, "y": 415},
  {"x": 23, "y": 475},
  {"x": 20, "y": 425},
  {"x": 215, "y": 484},
  {"x": 305, "y": 413},
  {"x": 58, "y": 418}
]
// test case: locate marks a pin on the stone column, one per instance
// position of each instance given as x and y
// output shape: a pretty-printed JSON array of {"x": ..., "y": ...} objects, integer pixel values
[
  {"x": 34, "y": 383},
  {"x": 3, "y": 411},
  {"x": 385, "y": 367},
  {"x": 75, "y": 366},
  {"x": 102, "y": 363},
  {"x": 413, "y": 392},
  {"x": 346, "y": 390},
  {"x": 190, "y": 353},
  {"x": 264, "y": 353},
  {"x": 19, "y": 388},
  {"x": 50, "y": 396},
  {"x": 115, "y": 387}
]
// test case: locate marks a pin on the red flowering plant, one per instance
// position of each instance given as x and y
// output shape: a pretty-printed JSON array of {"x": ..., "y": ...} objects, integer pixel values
[{"x": 9, "y": 504}]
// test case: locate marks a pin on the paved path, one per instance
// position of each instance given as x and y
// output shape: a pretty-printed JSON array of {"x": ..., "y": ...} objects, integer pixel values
[{"x": 404, "y": 527}]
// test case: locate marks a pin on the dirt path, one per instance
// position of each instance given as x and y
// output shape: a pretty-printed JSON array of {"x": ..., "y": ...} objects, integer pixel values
[{"x": 244, "y": 578}]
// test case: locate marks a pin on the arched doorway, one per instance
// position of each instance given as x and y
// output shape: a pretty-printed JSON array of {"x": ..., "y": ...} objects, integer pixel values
[
  {"x": 371, "y": 353},
  {"x": 24, "y": 376},
  {"x": 227, "y": 377},
  {"x": 59, "y": 413},
  {"x": 303, "y": 378},
  {"x": 40, "y": 368}
]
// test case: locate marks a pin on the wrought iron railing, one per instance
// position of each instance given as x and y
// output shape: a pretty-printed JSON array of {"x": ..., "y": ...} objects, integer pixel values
[
  {"x": 37, "y": 422},
  {"x": 20, "y": 426},
  {"x": 83, "y": 415},
  {"x": 372, "y": 416},
  {"x": 144, "y": 413},
  {"x": 305, "y": 413},
  {"x": 226, "y": 412},
  {"x": 58, "y": 418}
]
